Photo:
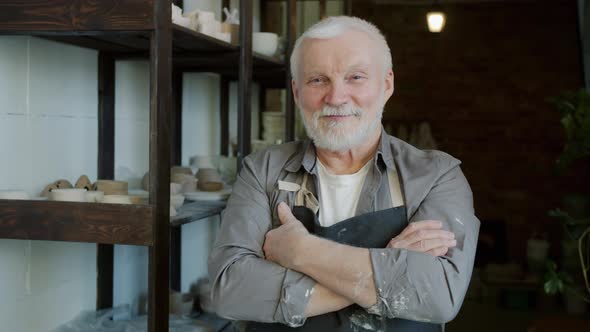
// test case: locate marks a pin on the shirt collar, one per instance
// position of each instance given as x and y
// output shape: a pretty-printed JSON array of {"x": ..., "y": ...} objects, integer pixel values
[{"x": 306, "y": 157}]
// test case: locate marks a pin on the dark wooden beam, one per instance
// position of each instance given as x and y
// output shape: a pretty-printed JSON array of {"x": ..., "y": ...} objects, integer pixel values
[
  {"x": 106, "y": 170},
  {"x": 175, "y": 257},
  {"x": 106, "y": 116},
  {"x": 160, "y": 110},
  {"x": 291, "y": 36},
  {"x": 76, "y": 15},
  {"x": 76, "y": 222},
  {"x": 348, "y": 7},
  {"x": 245, "y": 81},
  {"x": 323, "y": 9},
  {"x": 224, "y": 115}
]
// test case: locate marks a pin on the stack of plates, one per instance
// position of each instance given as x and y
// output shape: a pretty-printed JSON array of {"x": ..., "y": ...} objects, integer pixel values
[{"x": 208, "y": 195}]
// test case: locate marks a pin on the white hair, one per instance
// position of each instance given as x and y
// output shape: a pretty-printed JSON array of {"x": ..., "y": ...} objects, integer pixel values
[{"x": 335, "y": 26}]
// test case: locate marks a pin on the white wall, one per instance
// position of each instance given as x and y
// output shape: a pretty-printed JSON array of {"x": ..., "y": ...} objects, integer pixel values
[{"x": 47, "y": 97}]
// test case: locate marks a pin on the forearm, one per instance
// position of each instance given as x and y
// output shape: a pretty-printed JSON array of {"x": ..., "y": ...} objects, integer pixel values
[
  {"x": 343, "y": 269},
  {"x": 323, "y": 300}
]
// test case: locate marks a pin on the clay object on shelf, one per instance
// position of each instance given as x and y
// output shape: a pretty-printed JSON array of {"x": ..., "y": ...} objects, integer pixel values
[
  {"x": 181, "y": 178},
  {"x": 210, "y": 186},
  {"x": 111, "y": 187},
  {"x": 83, "y": 183},
  {"x": 176, "y": 201},
  {"x": 265, "y": 43},
  {"x": 181, "y": 170},
  {"x": 68, "y": 195},
  {"x": 116, "y": 199},
  {"x": 94, "y": 196},
  {"x": 59, "y": 184},
  {"x": 209, "y": 180},
  {"x": 136, "y": 199}
]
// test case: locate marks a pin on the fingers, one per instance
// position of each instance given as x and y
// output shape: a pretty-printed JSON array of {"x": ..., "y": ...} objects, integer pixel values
[
  {"x": 440, "y": 251},
  {"x": 425, "y": 236},
  {"x": 420, "y": 225},
  {"x": 427, "y": 245},
  {"x": 285, "y": 214},
  {"x": 422, "y": 235}
]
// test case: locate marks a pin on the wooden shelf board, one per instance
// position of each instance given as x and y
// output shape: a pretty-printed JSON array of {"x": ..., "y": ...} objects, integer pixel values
[
  {"x": 75, "y": 15},
  {"x": 76, "y": 222},
  {"x": 196, "y": 210}
]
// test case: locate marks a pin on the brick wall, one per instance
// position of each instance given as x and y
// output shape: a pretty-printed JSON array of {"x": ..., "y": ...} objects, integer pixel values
[{"x": 482, "y": 84}]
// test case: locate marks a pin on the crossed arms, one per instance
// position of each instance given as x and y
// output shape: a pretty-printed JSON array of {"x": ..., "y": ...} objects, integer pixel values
[{"x": 287, "y": 275}]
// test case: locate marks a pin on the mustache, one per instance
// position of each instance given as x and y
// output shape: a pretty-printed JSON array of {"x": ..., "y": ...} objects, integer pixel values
[{"x": 344, "y": 110}]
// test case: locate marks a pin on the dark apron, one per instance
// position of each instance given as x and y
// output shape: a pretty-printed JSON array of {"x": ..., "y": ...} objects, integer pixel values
[{"x": 370, "y": 230}]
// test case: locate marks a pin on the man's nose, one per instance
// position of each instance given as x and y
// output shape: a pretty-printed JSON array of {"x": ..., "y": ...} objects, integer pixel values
[{"x": 337, "y": 94}]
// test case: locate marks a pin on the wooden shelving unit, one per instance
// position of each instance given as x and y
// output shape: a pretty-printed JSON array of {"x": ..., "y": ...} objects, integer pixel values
[{"x": 127, "y": 29}]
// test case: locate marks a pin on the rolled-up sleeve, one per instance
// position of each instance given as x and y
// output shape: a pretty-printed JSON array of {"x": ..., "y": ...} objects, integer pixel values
[
  {"x": 418, "y": 286},
  {"x": 245, "y": 286}
]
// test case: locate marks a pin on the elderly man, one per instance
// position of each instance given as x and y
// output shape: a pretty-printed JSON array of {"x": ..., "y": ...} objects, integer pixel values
[{"x": 353, "y": 230}]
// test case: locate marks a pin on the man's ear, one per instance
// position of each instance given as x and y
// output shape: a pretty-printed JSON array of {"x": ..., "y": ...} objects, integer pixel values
[
  {"x": 389, "y": 85},
  {"x": 295, "y": 92}
]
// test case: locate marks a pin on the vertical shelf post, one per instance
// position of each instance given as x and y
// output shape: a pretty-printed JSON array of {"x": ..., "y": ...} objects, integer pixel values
[
  {"x": 323, "y": 9},
  {"x": 160, "y": 110},
  {"x": 245, "y": 81},
  {"x": 348, "y": 7},
  {"x": 106, "y": 170},
  {"x": 291, "y": 36}
]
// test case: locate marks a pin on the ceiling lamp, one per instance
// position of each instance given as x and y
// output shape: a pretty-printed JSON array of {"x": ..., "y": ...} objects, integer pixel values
[{"x": 436, "y": 18}]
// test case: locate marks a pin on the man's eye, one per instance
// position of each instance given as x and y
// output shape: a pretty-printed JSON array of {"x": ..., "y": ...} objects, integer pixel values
[
  {"x": 316, "y": 80},
  {"x": 356, "y": 77}
]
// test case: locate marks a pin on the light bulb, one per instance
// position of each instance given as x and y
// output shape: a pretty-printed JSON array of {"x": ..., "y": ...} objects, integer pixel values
[{"x": 436, "y": 21}]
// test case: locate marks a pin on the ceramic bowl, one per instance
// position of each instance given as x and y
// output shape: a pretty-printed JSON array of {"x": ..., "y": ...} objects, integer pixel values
[
  {"x": 68, "y": 195},
  {"x": 210, "y": 186},
  {"x": 176, "y": 201},
  {"x": 202, "y": 161},
  {"x": 265, "y": 43},
  {"x": 181, "y": 178},
  {"x": 94, "y": 196},
  {"x": 116, "y": 199},
  {"x": 205, "y": 175},
  {"x": 13, "y": 194}
]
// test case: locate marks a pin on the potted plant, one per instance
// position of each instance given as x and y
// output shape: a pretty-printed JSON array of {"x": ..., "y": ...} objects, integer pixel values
[{"x": 574, "y": 108}]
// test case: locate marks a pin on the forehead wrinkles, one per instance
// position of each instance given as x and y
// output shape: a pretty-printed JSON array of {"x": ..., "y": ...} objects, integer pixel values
[{"x": 351, "y": 51}]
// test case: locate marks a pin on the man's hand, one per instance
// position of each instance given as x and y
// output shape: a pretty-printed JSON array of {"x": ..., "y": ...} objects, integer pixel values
[
  {"x": 424, "y": 236},
  {"x": 281, "y": 245}
]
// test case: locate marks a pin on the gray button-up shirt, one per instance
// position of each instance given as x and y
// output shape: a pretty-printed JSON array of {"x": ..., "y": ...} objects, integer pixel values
[{"x": 409, "y": 284}]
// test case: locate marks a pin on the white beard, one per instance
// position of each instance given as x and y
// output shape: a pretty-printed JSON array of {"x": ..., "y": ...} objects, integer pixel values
[{"x": 340, "y": 135}]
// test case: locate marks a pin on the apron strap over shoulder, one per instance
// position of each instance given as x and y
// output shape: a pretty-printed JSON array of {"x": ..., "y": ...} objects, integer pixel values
[{"x": 306, "y": 198}]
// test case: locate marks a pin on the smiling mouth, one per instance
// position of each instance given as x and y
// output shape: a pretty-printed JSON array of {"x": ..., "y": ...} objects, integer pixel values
[{"x": 337, "y": 117}]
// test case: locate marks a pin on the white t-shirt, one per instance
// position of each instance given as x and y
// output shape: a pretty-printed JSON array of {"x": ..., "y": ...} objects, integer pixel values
[{"x": 339, "y": 194}]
